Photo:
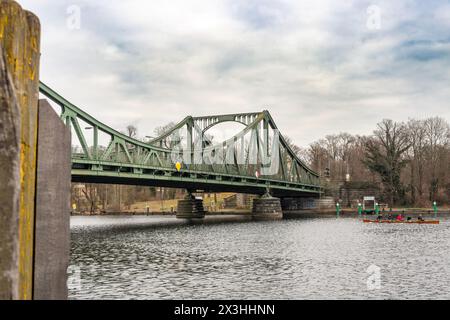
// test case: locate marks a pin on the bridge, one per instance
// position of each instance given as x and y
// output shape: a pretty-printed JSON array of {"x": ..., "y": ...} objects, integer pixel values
[{"x": 254, "y": 160}]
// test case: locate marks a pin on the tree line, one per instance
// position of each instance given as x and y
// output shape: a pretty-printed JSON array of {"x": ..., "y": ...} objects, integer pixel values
[{"x": 408, "y": 161}]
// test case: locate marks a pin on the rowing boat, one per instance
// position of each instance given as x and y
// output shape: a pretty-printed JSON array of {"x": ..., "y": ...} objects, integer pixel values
[{"x": 404, "y": 221}]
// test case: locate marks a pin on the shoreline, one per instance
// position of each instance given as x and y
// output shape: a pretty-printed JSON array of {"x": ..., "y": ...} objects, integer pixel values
[{"x": 293, "y": 213}]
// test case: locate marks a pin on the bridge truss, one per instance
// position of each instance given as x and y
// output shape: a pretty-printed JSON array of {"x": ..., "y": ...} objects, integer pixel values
[{"x": 255, "y": 159}]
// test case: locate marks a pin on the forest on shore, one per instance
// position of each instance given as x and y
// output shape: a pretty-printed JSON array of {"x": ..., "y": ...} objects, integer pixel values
[{"x": 409, "y": 162}]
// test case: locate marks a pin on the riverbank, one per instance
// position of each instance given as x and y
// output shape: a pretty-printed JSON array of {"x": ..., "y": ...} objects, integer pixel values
[
  {"x": 159, "y": 213},
  {"x": 352, "y": 213},
  {"x": 413, "y": 212}
]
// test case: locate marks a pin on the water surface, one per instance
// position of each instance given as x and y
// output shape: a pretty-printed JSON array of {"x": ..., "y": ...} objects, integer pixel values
[{"x": 157, "y": 257}]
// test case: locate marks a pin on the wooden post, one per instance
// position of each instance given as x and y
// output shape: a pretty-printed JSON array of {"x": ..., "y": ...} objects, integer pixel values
[
  {"x": 20, "y": 42},
  {"x": 9, "y": 186},
  {"x": 52, "y": 220}
]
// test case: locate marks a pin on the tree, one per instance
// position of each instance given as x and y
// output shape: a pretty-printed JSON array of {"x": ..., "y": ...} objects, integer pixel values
[
  {"x": 299, "y": 152},
  {"x": 90, "y": 192},
  {"x": 437, "y": 134},
  {"x": 339, "y": 147},
  {"x": 416, "y": 132},
  {"x": 131, "y": 131},
  {"x": 170, "y": 140},
  {"x": 318, "y": 156},
  {"x": 385, "y": 156}
]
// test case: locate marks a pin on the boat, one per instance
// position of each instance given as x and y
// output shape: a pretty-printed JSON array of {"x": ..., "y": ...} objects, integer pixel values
[{"x": 403, "y": 221}]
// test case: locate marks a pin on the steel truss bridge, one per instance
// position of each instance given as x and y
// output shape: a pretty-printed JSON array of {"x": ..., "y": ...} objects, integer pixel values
[{"x": 255, "y": 159}]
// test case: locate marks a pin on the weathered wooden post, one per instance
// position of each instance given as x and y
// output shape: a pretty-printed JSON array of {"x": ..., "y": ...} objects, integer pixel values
[
  {"x": 9, "y": 186},
  {"x": 20, "y": 45},
  {"x": 52, "y": 220}
]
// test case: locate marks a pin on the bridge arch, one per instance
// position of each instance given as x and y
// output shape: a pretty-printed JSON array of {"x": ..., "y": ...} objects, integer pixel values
[{"x": 222, "y": 122}]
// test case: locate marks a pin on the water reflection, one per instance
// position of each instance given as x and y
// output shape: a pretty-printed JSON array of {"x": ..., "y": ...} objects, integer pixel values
[{"x": 164, "y": 258}]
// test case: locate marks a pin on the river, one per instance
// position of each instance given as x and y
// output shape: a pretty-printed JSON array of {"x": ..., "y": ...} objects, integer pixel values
[{"x": 160, "y": 257}]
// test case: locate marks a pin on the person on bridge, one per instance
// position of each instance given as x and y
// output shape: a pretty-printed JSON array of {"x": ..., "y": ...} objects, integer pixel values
[
  {"x": 400, "y": 217},
  {"x": 420, "y": 218}
]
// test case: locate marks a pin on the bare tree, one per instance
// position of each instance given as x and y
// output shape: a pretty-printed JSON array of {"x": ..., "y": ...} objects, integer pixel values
[
  {"x": 416, "y": 132},
  {"x": 169, "y": 141},
  {"x": 385, "y": 156},
  {"x": 437, "y": 136},
  {"x": 91, "y": 194},
  {"x": 131, "y": 131},
  {"x": 299, "y": 152},
  {"x": 318, "y": 156}
]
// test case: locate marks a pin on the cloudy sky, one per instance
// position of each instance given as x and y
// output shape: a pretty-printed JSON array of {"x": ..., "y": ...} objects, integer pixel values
[{"x": 319, "y": 67}]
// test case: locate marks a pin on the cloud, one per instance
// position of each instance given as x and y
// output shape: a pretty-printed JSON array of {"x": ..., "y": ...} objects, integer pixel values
[{"x": 314, "y": 64}]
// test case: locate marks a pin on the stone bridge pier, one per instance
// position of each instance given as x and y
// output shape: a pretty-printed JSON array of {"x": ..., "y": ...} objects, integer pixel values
[
  {"x": 267, "y": 208},
  {"x": 190, "y": 208}
]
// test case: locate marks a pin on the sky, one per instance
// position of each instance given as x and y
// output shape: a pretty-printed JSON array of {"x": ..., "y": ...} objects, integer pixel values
[{"x": 320, "y": 67}]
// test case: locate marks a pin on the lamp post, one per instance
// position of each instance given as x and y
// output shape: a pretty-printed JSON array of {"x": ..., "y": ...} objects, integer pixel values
[
  {"x": 435, "y": 208},
  {"x": 161, "y": 189},
  {"x": 338, "y": 209},
  {"x": 359, "y": 209}
]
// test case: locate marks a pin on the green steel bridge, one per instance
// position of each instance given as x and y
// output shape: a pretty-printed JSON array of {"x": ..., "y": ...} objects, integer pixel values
[{"x": 254, "y": 160}]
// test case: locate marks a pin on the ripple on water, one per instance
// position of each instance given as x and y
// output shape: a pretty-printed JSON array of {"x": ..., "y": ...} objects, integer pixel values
[{"x": 162, "y": 258}]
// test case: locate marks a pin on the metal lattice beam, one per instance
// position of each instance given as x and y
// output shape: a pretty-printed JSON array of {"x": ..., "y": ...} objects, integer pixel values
[{"x": 255, "y": 158}]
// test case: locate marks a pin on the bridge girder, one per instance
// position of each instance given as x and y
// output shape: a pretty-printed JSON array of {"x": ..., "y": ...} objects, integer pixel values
[{"x": 251, "y": 151}]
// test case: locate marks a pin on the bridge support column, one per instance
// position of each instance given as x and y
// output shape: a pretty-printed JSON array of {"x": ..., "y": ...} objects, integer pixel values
[
  {"x": 267, "y": 208},
  {"x": 190, "y": 208}
]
